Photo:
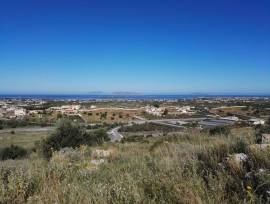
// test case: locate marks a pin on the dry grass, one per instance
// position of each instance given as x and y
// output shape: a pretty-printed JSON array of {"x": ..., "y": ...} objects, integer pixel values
[{"x": 162, "y": 170}]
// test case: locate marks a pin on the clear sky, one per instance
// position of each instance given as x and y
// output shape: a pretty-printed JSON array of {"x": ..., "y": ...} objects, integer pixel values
[{"x": 181, "y": 46}]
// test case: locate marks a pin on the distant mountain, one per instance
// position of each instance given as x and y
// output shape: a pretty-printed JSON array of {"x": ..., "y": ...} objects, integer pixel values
[{"x": 125, "y": 93}]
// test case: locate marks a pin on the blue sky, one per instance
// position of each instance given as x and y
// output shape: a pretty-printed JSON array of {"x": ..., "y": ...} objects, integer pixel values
[{"x": 181, "y": 46}]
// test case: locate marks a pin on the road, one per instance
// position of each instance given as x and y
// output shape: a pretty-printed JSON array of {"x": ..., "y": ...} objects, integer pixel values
[
  {"x": 169, "y": 122},
  {"x": 114, "y": 135}
]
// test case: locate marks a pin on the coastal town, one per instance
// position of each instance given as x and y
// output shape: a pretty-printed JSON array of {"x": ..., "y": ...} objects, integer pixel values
[{"x": 200, "y": 113}]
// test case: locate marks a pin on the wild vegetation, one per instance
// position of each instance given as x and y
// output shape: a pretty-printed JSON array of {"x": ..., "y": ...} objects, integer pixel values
[
  {"x": 193, "y": 168},
  {"x": 70, "y": 134}
]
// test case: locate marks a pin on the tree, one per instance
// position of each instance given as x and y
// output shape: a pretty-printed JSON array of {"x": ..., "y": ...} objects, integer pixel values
[
  {"x": 165, "y": 112},
  {"x": 155, "y": 104},
  {"x": 103, "y": 115}
]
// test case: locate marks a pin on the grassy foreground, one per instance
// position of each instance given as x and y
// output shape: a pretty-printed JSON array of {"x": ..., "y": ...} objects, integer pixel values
[{"x": 195, "y": 168}]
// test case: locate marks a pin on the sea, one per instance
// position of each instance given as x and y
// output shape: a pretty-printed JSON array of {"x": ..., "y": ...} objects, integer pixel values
[{"x": 124, "y": 97}]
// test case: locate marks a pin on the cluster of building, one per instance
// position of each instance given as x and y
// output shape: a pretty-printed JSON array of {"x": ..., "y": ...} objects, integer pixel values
[
  {"x": 12, "y": 111},
  {"x": 154, "y": 110},
  {"x": 66, "y": 109},
  {"x": 185, "y": 110},
  {"x": 172, "y": 110}
]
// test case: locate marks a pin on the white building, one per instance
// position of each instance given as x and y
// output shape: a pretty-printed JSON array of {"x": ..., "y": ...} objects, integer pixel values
[
  {"x": 185, "y": 109},
  {"x": 154, "y": 111},
  {"x": 19, "y": 112}
]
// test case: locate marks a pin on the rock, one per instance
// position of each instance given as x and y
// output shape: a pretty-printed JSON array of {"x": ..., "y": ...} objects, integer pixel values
[
  {"x": 99, "y": 153},
  {"x": 259, "y": 146},
  {"x": 68, "y": 154},
  {"x": 97, "y": 161},
  {"x": 235, "y": 160},
  {"x": 261, "y": 171},
  {"x": 266, "y": 138},
  {"x": 65, "y": 150},
  {"x": 240, "y": 157}
]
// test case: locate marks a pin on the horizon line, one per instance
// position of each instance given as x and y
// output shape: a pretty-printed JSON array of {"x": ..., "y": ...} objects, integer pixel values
[{"x": 140, "y": 93}]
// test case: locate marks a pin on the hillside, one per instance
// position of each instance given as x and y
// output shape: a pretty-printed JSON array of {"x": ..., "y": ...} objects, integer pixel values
[{"x": 192, "y": 168}]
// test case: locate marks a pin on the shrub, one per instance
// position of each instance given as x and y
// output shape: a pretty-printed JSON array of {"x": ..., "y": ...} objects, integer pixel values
[
  {"x": 70, "y": 134},
  {"x": 59, "y": 115},
  {"x": 222, "y": 130},
  {"x": 210, "y": 158},
  {"x": 155, "y": 104},
  {"x": 240, "y": 146},
  {"x": 12, "y": 152}
]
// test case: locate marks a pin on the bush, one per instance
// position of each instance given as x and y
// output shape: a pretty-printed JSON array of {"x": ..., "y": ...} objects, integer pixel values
[
  {"x": 155, "y": 104},
  {"x": 241, "y": 146},
  {"x": 12, "y": 152},
  {"x": 222, "y": 130},
  {"x": 70, "y": 134}
]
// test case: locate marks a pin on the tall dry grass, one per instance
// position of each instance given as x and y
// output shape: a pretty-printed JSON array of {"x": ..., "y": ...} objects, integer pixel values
[{"x": 190, "y": 168}]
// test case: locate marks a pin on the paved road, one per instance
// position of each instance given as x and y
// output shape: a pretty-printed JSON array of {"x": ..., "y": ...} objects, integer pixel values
[
  {"x": 28, "y": 129},
  {"x": 166, "y": 124},
  {"x": 114, "y": 135},
  {"x": 169, "y": 122}
]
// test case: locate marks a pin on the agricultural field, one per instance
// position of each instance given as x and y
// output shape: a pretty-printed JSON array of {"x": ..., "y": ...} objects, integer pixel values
[
  {"x": 104, "y": 115},
  {"x": 17, "y": 136},
  {"x": 225, "y": 111}
]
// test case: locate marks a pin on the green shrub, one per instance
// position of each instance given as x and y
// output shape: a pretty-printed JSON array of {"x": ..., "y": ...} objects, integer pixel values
[
  {"x": 1, "y": 125},
  {"x": 12, "y": 152},
  {"x": 210, "y": 158},
  {"x": 222, "y": 130},
  {"x": 70, "y": 134},
  {"x": 241, "y": 146}
]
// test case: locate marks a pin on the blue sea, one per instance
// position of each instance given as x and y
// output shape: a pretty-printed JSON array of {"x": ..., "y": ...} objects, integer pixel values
[{"x": 124, "y": 97}]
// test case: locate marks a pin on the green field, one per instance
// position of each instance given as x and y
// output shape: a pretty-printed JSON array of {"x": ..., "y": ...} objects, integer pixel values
[{"x": 21, "y": 138}]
